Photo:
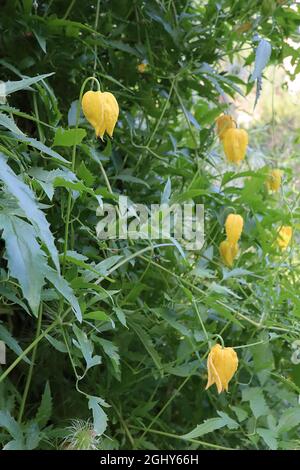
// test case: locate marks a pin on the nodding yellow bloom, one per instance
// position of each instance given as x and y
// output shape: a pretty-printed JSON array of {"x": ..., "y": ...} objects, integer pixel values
[
  {"x": 142, "y": 67},
  {"x": 222, "y": 364},
  {"x": 111, "y": 112},
  {"x": 228, "y": 252},
  {"x": 101, "y": 111},
  {"x": 93, "y": 110},
  {"x": 235, "y": 143},
  {"x": 234, "y": 227},
  {"x": 285, "y": 234},
  {"x": 274, "y": 180},
  {"x": 224, "y": 122}
]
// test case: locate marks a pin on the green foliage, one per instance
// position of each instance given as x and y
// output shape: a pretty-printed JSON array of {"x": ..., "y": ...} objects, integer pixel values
[{"x": 107, "y": 340}]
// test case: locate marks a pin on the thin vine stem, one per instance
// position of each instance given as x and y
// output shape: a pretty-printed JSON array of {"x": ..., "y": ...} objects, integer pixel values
[{"x": 30, "y": 372}]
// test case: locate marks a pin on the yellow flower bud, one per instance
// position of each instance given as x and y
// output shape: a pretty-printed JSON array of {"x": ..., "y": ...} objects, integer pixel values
[
  {"x": 224, "y": 122},
  {"x": 93, "y": 110},
  {"x": 111, "y": 112},
  {"x": 234, "y": 227},
  {"x": 228, "y": 252},
  {"x": 101, "y": 111},
  {"x": 274, "y": 180},
  {"x": 222, "y": 364},
  {"x": 235, "y": 143},
  {"x": 285, "y": 234}
]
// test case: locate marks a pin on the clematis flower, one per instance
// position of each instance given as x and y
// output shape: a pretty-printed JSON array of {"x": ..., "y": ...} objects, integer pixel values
[
  {"x": 93, "y": 110},
  {"x": 222, "y": 364},
  {"x": 285, "y": 234},
  {"x": 235, "y": 142},
  {"x": 224, "y": 122},
  {"x": 228, "y": 252},
  {"x": 101, "y": 111},
  {"x": 274, "y": 180},
  {"x": 234, "y": 227}
]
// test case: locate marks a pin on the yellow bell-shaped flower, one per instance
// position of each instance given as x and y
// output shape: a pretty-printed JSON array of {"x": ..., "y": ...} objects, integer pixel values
[
  {"x": 93, "y": 110},
  {"x": 234, "y": 227},
  {"x": 101, "y": 111},
  {"x": 228, "y": 252},
  {"x": 235, "y": 143},
  {"x": 224, "y": 122},
  {"x": 285, "y": 234},
  {"x": 274, "y": 180},
  {"x": 111, "y": 112},
  {"x": 222, "y": 364}
]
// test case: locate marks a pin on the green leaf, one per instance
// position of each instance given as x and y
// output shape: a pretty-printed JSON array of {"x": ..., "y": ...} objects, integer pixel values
[
  {"x": 257, "y": 401},
  {"x": 99, "y": 416},
  {"x": 39, "y": 146},
  {"x": 11, "y": 342},
  {"x": 262, "y": 355},
  {"x": 229, "y": 422},
  {"x": 130, "y": 179},
  {"x": 49, "y": 180},
  {"x": 86, "y": 347},
  {"x": 111, "y": 351},
  {"x": 289, "y": 420},
  {"x": 240, "y": 413},
  {"x": 122, "y": 46},
  {"x": 10, "y": 424},
  {"x": 214, "y": 287},
  {"x": 32, "y": 436},
  {"x": 24, "y": 84},
  {"x": 58, "y": 345},
  {"x": 237, "y": 272},
  {"x": 262, "y": 56},
  {"x": 98, "y": 315},
  {"x": 269, "y": 437},
  {"x": 9, "y": 124},
  {"x": 147, "y": 343},
  {"x": 26, "y": 201},
  {"x": 41, "y": 40},
  {"x": 68, "y": 137},
  {"x": 206, "y": 427},
  {"x": 85, "y": 175},
  {"x": 63, "y": 287},
  {"x": 26, "y": 260},
  {"x": 103, "y": 267},
  {"x": 121, "y": 315},
  {"x": 45, "y": 409}
]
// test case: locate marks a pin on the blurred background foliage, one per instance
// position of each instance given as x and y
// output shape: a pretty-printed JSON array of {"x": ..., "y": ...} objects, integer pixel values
[{"x": 132, "y": 373}]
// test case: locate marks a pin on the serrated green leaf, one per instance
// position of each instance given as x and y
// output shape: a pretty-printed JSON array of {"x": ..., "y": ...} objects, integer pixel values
[
  {"x": 99, "y": 416},
  {"x": 26, "y": 201},
  {"x": 288, "y": 420},
  {"x": 65, "y": 290},
  {"x": 45, "y": 409},
  {"x": 24, "y": 84},
  {"x": 269, "y": 437},
  {"x": 9, "y": 124},
  {"x": 68, "y": 137},
  {"x": 208, "y": 426},
  {"x": 26, "y": 261},
  {"x": 257, "y": 401}
]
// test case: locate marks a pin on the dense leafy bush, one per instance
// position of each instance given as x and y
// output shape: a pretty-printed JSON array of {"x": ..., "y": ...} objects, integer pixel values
[{"x": 107, "y": 340}]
